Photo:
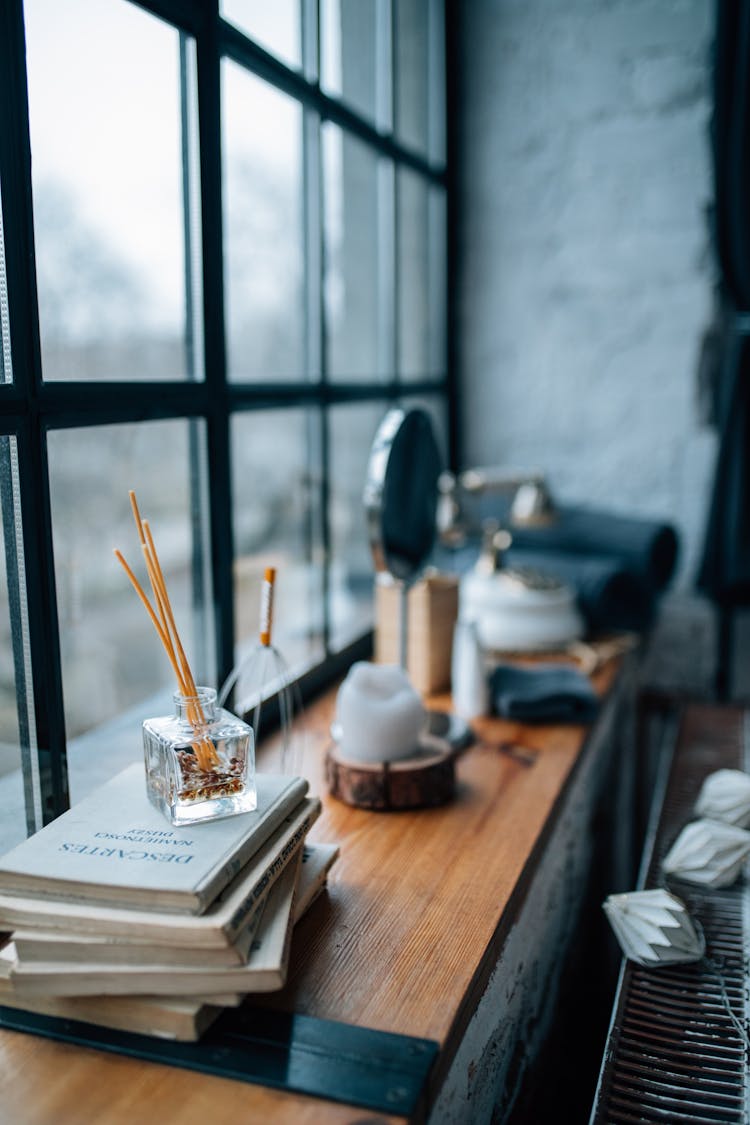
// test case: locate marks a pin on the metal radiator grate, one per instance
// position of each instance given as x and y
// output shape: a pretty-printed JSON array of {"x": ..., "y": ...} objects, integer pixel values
[{"x": 677, "y": 1048}]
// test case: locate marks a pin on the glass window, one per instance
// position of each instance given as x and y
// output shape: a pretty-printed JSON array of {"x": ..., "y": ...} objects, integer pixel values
[
  {"x": 6, "y": 367},
  {"x": 350, "y": 42},
  {"x": 274, "y": 26},
  {"x": 438, "y": 280},
  {"x": 279, "y": 259},
  {"x": 263, "y": 230},
  {"x": 412, "y": 104},
  {"x": 351, "y": 430},
  {"x": 436, "y": 71},
  {"x": 19, "y": 780},
  {"x": 419, "y": 76},
  {"x": 276, "y": 482},
  {"x": 413, "y": 276},
  {"x": 357, "y": 348},
  {"x": 113, "y": 663},
  {"x": 421, "y": 278},
  {"x": 110, "y": 105}
]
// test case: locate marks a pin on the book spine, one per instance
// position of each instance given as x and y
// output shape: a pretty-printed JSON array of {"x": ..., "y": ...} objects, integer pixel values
[
  {"x": 245, "y": 936},
  {"x": 82, "y": 954},
  {"x": 284, "y": 959},
  {"x": 224, "y": 874},
  {"x": 270, "y": 875},
  {"x": 307, "y": 895}
]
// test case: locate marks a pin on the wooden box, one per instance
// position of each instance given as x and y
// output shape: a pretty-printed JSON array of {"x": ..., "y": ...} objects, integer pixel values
[{"x": 432, "y": 613}]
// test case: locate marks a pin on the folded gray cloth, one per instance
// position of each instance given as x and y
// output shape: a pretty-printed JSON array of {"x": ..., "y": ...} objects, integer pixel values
[{"x": 542, "y": 693}]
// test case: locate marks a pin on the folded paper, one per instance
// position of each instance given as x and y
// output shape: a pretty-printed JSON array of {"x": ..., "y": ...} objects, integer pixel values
[
  {"x": 379, "y": 714},
  {"x": 654, "y": 928},
  {"x": 725, "y": 796},
  {"x": 708, "y": 852}
]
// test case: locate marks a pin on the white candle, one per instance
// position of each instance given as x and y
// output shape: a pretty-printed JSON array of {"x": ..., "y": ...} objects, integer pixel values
[{"x": 380, "y": 715}]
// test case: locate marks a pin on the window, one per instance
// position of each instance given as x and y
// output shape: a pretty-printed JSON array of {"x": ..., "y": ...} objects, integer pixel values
[{"x": 222, "y": 255}]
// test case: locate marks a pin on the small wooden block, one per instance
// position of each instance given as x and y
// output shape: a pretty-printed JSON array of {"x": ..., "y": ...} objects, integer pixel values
[
  {"x": 432, "y": 612},
  {"x": 423, "y": 781}
]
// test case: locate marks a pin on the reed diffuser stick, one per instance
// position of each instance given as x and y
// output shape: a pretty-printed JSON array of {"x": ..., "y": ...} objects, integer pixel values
[
  {"x": 154, "y": 620},
  {"x": 164, "y": 597},
  {"x": 162, "y": 618}
]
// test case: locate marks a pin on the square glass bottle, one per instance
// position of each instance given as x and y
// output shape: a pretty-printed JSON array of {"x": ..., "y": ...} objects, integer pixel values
[{"x": 200, "y": 762}]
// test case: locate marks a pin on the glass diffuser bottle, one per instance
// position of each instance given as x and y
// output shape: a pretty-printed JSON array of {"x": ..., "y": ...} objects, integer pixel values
[{"x": 200, "y": 762}]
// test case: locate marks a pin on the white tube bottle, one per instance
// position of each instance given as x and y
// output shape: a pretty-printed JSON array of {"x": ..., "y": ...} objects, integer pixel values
[{"x": 469, "y": 684}]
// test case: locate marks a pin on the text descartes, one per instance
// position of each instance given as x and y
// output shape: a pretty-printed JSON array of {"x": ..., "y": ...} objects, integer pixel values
[{"x": 126, "y": 853}]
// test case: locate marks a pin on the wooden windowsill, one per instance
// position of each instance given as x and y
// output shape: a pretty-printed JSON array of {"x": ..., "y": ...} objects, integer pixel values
[{"x": 417, "y": 911}]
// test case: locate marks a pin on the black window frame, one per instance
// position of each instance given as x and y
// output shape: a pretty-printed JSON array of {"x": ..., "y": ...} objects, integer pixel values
[{"x": 31, "y": 408}]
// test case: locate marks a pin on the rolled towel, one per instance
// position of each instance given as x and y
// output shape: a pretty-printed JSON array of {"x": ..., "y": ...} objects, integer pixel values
[
  {"x": 608, "y": 594},
  {"x": 644, "y": 547},
  {"x": 542, "y": 693}
]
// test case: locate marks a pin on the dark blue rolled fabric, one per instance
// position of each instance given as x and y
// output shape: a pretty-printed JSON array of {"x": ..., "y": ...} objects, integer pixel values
[
  {"x": 641, "y": 546},
  {"x": 609, "y": 595},
  {"x": 543, "y": 693}
]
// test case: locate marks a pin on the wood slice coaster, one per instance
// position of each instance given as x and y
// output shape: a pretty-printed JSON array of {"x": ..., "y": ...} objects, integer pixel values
[{"x": 426, "y": 779}]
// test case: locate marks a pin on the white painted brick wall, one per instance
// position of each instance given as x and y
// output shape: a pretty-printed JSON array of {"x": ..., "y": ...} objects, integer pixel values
[{"x": 585, "y": 273}]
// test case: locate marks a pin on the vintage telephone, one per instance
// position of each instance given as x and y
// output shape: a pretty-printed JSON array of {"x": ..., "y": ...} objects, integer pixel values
[{"x": 515, "y": 609}]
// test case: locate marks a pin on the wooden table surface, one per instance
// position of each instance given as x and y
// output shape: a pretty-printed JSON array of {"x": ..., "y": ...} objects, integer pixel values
[{"x": 417, "y": 910}]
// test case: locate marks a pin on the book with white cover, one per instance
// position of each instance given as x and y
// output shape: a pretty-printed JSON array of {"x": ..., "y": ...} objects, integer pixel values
[
  {"x": 179, "y": 1017},
  {"x": 217, "y": 927},
  {"x": 265, "y": 970},
  {"x": 93, "y": 949},
  {"x": 114, "y": 848},
  {"x": 46, "y": 945},
  {"x": 317, "y": 861}
]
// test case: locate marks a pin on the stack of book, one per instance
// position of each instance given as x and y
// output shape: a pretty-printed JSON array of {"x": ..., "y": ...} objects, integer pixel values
[{"x": 117, "y": 918}]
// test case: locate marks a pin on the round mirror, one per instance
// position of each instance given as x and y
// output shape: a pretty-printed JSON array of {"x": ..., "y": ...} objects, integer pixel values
[{"x": 401, "y": 493}]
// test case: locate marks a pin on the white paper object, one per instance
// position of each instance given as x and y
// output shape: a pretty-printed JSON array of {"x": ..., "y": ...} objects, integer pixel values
[
  {"x": 708, "y": 852},
  {"x": 469, "y": 684},
  {"x": 725, "y": 796},
  {"x": 654, "y": 928},
  {"x": 378, "y": 712}
]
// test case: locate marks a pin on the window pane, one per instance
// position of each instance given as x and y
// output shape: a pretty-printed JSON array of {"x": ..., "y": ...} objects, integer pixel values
[
  {"x": 436, "y": 84},
  {"x": 351, "y": 431},
  {"x": 275, "y": 26},
  {"x": 115, "y": 671},
  {"x": 437, "y": 274},
  {"x": 276, "y": 477},
  {"x": 19, "y": 780},
  {"x": 355, "y": 286},
  {"x": 110, "y": 196},
  {"x": 419, "y": 65},
  {"x": 411, "y": 66},
  {"x": 6, "y": 367},
  {"x": 263, "y": 229},
  {"x": 349, "y": 52},
  {"x": 421, "y": 279},
  {"x": 413, "y": 277}
]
